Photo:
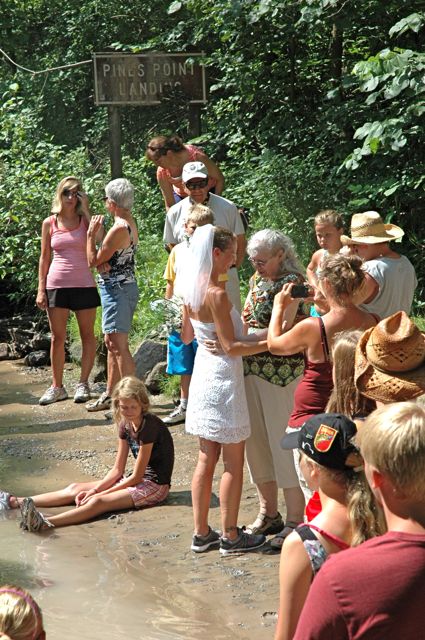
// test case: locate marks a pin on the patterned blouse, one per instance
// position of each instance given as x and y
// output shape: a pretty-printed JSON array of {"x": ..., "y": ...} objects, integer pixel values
[{"x": 257, "y": 312}]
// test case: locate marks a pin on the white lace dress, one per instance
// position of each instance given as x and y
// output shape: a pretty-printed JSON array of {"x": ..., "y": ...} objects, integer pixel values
[{"x": 217, "y": 408}]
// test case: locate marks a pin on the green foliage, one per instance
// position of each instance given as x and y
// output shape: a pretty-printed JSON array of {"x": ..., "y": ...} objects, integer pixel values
[{"x": 313, "y": 104}]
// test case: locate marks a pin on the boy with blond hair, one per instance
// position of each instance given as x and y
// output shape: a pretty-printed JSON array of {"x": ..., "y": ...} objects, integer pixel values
[
  {"x": 180, "y": 356},
  {"x": 377, "y": 589}
]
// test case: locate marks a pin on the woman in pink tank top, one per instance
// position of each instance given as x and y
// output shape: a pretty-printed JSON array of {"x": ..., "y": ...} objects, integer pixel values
[
  {"x": 170, "y": 154},
  {"x": 65, "y": 283}
]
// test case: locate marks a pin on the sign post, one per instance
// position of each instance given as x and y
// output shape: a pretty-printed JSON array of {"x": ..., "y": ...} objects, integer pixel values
[
  {"x": 114, "y": 121},
  {"x": 145, "y": 80}
]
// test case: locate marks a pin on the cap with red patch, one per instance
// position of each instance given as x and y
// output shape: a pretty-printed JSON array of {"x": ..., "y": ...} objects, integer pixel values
[{"x": 327, "y": 439}]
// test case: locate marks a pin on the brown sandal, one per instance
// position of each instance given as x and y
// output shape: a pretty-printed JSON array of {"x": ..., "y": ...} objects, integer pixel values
[{"x": 277, "y": 542}]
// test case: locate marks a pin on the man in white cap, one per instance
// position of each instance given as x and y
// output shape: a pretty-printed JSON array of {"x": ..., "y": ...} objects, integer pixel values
[
  {"x": 226, "y": 214},
  {"x": 390, "y": 277}
]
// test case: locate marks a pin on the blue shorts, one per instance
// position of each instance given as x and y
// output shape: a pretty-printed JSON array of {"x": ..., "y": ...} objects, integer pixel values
[
  {"x": 180, "y": 356},
  {"x": 119, "y": 303}
]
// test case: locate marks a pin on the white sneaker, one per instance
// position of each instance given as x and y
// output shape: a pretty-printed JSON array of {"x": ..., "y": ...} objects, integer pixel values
[
  {"x": 53, "y": 394},
  {"x": 176, "y": 416},
  {"x": 102, "y": 403},
  {"x": 82, "y": 392}
]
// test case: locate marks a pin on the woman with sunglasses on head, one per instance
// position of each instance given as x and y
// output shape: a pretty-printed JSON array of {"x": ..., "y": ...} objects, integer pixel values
[
  {"x": 170, "y": 154},
  {"x": 270, "y": 382},
  {"x": 340, "y": 278},
  {"x": 115, "y": 262},
  {"x": 66, "y": 284}
]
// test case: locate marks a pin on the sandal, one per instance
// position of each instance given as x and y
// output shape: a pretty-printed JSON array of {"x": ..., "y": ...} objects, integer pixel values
[
  {"x": 267, "y": 525},
  {"x": 277, "y": 542}
]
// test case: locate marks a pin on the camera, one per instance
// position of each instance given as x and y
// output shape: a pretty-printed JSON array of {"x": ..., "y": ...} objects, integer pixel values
[{"x": 300, "y": 291}]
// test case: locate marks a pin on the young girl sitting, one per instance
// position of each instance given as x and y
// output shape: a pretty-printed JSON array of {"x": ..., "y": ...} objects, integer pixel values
[
  {"x": 328, "y": 227},
  {"x": 150, "y": 443},
  {"x": 332, "y": 465}
]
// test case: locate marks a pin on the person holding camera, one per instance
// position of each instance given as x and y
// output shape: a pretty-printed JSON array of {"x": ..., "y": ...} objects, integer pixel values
[
  {"x": 340, "y": 277},
  {"x": 65, "y": 283},
  {"x": 270, "y": 383}
]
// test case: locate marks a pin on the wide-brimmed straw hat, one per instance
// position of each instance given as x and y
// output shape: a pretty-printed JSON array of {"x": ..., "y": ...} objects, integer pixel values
[
  {"x": 369, "y": 228},
  {"x": 390, "y": 360}
]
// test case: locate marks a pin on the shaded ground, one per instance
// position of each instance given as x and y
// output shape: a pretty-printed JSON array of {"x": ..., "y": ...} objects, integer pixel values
[{"x": 130, "y": 576}]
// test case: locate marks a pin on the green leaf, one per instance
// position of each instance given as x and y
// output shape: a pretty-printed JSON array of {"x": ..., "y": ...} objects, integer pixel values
[
  {"x": 174, "y": 7},
  {"x": 391, "y": 190}
]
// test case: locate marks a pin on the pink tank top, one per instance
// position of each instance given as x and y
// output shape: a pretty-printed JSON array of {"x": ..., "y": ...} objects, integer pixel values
[
  {"x": 69, "y": 266},
  {"x": 176, "y": 181}
]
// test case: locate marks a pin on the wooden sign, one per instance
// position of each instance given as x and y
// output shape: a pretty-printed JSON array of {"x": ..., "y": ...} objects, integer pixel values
[{"x": 148, "y": 79}]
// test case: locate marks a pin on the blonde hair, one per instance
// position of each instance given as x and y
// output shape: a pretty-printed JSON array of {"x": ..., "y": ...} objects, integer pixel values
[
  {"x": 365, "y": 516},
  {"x": 70, "y": 182},
  {"x": 329, "y": 216},
  {"x": 345, "y": 397},
  {"x": 20, "y": 615},
  {"x": 392, "y": 439},
  {"x": 129, "y": 387},
  {"x": 200, "y": 214},
  {"x": 343, "y": 273}
]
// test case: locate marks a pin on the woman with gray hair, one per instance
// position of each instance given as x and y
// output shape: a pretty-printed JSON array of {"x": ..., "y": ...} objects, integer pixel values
[
  {"x": 115, "y": 262},
  {"x": 270, "y": 382}
]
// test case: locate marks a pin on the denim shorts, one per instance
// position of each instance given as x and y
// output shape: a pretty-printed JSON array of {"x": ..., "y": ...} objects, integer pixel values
[
  {"x": 180, "y": 356},
  {"x": 119, "y": 303}
]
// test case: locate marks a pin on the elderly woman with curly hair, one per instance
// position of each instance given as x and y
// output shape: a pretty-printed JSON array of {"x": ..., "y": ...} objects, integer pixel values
[{"x": 270, "y": 382}]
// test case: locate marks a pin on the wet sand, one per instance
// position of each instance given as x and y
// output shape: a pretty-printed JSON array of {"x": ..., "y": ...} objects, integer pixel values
[{"x": 133, "y": 575}]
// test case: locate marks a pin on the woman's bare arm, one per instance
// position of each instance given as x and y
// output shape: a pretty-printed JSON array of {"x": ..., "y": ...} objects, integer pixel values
[
  {"x": 44, "y": 264},
  {"x": 220, "y": 309},
  {"x": 295, "y": 576}
]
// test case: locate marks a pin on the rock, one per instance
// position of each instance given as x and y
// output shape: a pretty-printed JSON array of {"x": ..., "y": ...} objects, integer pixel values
[
  {"x": 37, "y": 358},
  {"x": 41, "y": 341},
  {"x": 4, "y": 351},
  {"x": 99, "y": 372},
  {"x": 154, "y": 377},
  {"x": 75, "y": 351},
  {"x": 148, "y": 355}
]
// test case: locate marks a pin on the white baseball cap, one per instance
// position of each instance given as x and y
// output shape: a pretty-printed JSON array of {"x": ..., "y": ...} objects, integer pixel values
[{"x": 194, "y": 170}]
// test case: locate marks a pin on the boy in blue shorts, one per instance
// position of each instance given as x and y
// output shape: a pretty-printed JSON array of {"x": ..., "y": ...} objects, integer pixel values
[{"x": 180, "y": 357}]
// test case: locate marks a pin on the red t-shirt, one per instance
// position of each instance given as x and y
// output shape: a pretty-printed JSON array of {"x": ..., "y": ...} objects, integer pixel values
[{"x": 372, "y": 592}]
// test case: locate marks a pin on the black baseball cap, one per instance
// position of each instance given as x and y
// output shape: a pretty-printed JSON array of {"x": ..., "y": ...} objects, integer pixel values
[{"x": 327, "y": 439}]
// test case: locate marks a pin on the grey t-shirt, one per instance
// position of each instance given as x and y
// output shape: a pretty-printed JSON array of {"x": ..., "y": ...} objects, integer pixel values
[
  {"x": 225, "y": 215},
  {"x": 397, "y": 282}
]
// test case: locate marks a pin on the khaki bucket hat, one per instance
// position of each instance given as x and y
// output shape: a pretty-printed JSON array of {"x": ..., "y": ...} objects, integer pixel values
[
  {"x": 369, "y": 228},
  {"x": 390, "y": 360}
]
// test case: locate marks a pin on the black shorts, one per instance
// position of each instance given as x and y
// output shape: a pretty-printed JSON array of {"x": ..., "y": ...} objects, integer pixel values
[{"x": 74, "y": 298}]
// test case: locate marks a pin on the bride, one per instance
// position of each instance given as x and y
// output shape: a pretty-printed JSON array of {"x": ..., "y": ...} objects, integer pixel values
[{"x": 217, "y": 411}]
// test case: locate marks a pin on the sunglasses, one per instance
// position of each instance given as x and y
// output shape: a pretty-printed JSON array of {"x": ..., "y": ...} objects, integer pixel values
[
  {"x": 70, "y": 192},
  {"x": 200, "y": 184}
]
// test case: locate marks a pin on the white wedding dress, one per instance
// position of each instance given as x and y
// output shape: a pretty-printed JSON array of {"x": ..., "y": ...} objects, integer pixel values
[{"x": 217, "y": 408}]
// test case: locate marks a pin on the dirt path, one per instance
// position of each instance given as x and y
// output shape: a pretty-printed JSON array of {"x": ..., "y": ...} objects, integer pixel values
[{"x": 131, "y": 576}]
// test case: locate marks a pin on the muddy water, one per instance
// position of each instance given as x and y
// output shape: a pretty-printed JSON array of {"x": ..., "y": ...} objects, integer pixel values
[{"x": 131, "y": 576}]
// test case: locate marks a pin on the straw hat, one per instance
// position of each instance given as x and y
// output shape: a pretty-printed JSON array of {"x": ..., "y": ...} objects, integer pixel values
[
  {"x": 369, "y": 228},
  {"x": 390, "y": 360}
]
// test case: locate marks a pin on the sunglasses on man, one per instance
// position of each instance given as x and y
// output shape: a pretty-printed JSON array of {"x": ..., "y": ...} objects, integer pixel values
[{"x": 199, "y": 184}]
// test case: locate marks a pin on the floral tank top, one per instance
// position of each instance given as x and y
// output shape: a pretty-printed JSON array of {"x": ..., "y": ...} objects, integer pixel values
[{"x": 279, "y": 370}]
